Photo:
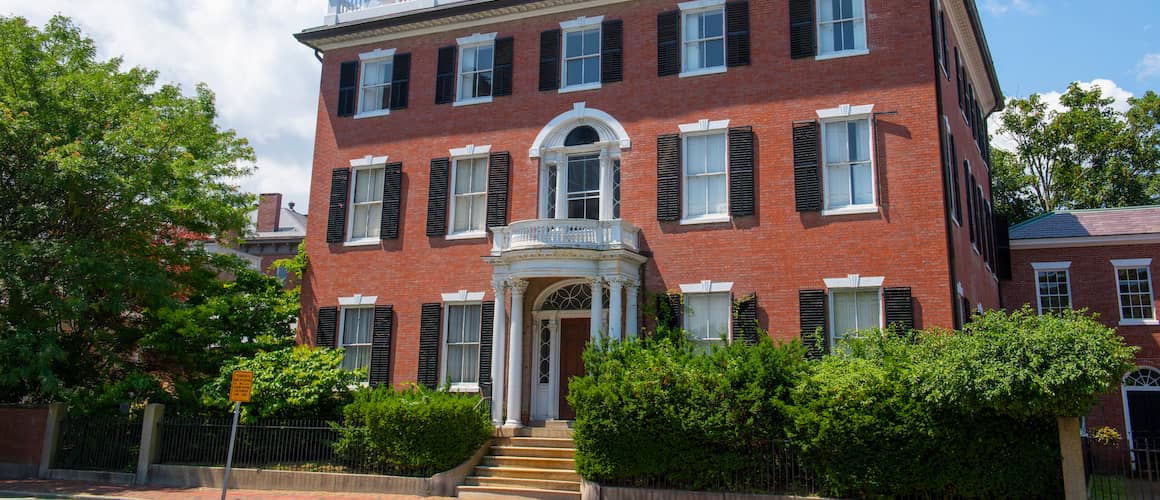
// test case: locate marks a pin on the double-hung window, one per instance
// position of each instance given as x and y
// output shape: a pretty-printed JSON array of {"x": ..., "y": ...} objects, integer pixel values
[
  {"x": 856, "y": 309},
  {"x": 374, "y": 94},
  {"x": 707, "y": 314},
  {"x": 476, "y": 69},
  {"x": 355, "y": 338},
  {"x": 461, "y": 341},
  {"x": 706, "y": 180},
  {"x": 584, "y": 186},
  {"x": 1134, "y": 287},
  {"x": 1052, "y": 286},
  {"x": 366, "y": 204},
  {"x": 849, "y": 168},
  {"x": 469, "y": 196},
  {"x": 703, "y": 37},
  {"x": 581, "y": 65},
  {"x": 841, "y": 28}
]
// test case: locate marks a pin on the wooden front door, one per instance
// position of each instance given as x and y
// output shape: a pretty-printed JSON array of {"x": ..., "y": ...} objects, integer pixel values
[{"x": 574, "y": 335}]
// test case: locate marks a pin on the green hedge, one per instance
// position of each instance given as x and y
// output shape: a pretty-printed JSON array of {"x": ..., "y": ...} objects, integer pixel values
[
  {"x": 658, "y": 411},
  {"x": 417, "y": 428}
]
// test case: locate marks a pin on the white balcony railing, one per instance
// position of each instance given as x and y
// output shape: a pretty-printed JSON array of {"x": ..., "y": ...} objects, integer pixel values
[
  {"x": 565, "y": 233},
  {"x": 342, "y": 11}
]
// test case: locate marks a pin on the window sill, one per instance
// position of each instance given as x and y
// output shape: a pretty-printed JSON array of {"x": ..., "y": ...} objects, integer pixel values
[
  {"x": 365, "y": 242},
  {"x": 474, "y": 235},
  {"x": 855, "y": 210},
  {"x": 372, "y": 114},
  {"x": 839, "y": 55},
  {"x": 579, "y": 88},
  {"x": 473, "y": 101},
  {"x": 703, "y": 71},
  {"x": 463, "y": 388},
  {"x": 707, "y": 219},
  {"x": 1139, "y": 322}
]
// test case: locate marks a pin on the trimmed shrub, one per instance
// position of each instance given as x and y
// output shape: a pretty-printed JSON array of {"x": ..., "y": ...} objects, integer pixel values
[
  {"x": 415, "y": 429},
  {"x": 656, "y": 410}
]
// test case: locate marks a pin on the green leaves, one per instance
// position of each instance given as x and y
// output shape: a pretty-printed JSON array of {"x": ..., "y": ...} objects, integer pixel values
[{"x": 293, "y": 382}]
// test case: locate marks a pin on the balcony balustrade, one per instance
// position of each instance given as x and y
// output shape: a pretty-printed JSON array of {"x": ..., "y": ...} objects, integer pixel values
[
  {"x": 565, "y": 233},
  {"x": 343, "y": 11}
]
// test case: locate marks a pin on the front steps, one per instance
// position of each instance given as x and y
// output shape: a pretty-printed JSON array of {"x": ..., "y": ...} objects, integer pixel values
[{"x": 532, "y": 462}]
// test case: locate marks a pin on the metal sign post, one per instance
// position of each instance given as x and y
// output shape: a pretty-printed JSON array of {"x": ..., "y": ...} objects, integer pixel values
[{"x": 241, "y": 385}]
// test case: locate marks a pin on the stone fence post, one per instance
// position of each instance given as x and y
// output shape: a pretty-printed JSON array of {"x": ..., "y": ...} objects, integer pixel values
[
  {"x": 150, "y": 438},
  {"x": 52, "y": 428},
  {"x": 1071, "y": 447}
]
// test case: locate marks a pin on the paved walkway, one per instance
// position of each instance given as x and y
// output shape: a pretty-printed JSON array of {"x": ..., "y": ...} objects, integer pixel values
[{"x": 70, "y": 489}]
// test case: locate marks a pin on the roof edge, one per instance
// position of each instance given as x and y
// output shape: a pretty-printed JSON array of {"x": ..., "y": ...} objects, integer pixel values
[
  {"x": 985, "y": 48},
  {"x": 309, "y": 35}
]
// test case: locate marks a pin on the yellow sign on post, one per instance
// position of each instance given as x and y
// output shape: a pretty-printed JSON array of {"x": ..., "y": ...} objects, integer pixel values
[{"x": 241, "y": 384}]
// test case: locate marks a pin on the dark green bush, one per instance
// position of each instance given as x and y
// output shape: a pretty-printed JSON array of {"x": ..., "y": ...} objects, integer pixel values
[
  {"x": 415, "y": 429},
  {"x": 656, "y": 410}
]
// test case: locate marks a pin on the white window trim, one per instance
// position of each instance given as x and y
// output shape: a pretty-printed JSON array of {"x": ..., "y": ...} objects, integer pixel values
[
  {"x": 581, "y": 23},
  {"x": 358, "y": 300},
  {"x": 1118, "y": 264},
  {"x": 376, "y": 55},
  {"x": 363, "y": 304},
  {"x": 703, "y": 127},
  {"x": 1038, "y": 267},
  {"x": 709, "y": 287},
  {"x": 853, "y": 283},
  {"x": 695, "y": 7},
  {"x": 460, "y": 298},
  {"x": 840, "y": 53},
  {"x": 846, "y": 113},
  {"x": 955, "y": 207},
  {"x": 472, "y": 152},
  {"x": 467, "y": 42},
  {"x": 362, "y": 164}
]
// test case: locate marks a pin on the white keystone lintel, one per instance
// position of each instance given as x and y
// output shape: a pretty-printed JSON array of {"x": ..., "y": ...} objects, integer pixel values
[
  {"x": 376, "y": 54},
  {"x": 845, "y": 111},
  {"x": 581, "y": 22},
  {"x": 476, "y": 39},
  {"x": 358, "y": 300},
  {"x": 369, "y": 160},
  {"x": 463, "y": 296},
  {"x": 470, "y": 150},
  {"x": 707, "y": 286},
  {"x": 855, "y": 281},
  {"x": 704, "y": 126},
  {"x": 1132, "y": 262}
]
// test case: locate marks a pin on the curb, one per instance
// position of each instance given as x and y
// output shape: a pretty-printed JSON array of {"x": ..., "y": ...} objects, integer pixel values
[{"x": 78, "y": 496}]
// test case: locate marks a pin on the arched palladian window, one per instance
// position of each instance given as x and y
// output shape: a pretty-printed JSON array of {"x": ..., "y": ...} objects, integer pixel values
[{"x": 579, "y": 155}]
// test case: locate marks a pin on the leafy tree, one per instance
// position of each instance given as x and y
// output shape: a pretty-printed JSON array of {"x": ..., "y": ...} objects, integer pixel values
[
  {"x": 1011, "y": 191},
  {"x": 107, "y": 181},
  {"x": 293, "y": 382}
]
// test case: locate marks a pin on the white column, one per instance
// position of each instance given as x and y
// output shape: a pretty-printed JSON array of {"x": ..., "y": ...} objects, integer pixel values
[
  {"x": 561, "y": 200},
  {"x": 597, "y": 308},
  {"x": 498, "y": 336},
  {"x": 516, "y": 355},
  {"x": 615, "y": 307},
  {"x": 605, "y": 185},
  {"x": 630, "y": 310}
]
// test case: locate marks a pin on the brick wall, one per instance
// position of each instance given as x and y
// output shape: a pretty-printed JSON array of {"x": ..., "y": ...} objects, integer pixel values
[
  {"x": 1093, "y": 286},
  {"x": 774, "y": 253},
  {"x": 21, "y": 434},
  {"x": 269, "y": 212}
]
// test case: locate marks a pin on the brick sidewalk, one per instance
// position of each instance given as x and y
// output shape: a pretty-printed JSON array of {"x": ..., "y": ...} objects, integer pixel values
[{"x": 34, "y": 487}]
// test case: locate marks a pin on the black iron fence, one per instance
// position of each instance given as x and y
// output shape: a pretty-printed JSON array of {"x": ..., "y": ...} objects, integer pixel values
[
  {"x": 777, "y": 469},
  {"x": 1126, "y": 468},
  {"x": 98, "y": 442},
  {"x": 298, "y": 445}
]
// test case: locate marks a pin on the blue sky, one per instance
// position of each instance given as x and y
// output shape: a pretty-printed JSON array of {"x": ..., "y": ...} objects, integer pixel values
[
  {"x": 267, "y": 83},
  {"x": 1040, "y": 46}
]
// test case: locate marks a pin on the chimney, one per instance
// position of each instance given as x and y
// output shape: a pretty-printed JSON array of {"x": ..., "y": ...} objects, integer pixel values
[{"x": 269, "y": 212}]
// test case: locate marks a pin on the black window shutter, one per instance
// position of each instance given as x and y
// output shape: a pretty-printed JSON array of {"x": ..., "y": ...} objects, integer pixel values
[
  {"x": 970, "y": 198},
  {"x": 347, "y": 88},
  {"x": 437, "y": 197},
  {"x": 812, "y": 316},
  {"x": 668, "y": 43},
  {"x": 741, "y": 172},
  {"x": 669, "y": 310},
  {"x": 807, "y": 176},
  {"x": 429, "y": 331},
  {"x": 499, "y": 169},
  {"x": 611, "y": 51},
  {"x": 401, "y": 81},
  {"x": 504, "y": 56},
  {"x": 384, "y": 326},
  {"x": 899, "y": 308},
  {"x": 1002, "y": 247},
  {"x": 801, "y": 29},
  {"x": 550, "y": 60},
  {"x": 745, "y": 319},
  {"x": 326, "y": 333},
  {"x": 737, "y": 33},
  {"x": 486, "y": 323},
  {"x": 445, "y": 75},
  {"x": 336, "y": 217},
  {"x": 955, "y": 180},
  {"x": 669, "y": 177},
  {"x": 392, "y": 201}
]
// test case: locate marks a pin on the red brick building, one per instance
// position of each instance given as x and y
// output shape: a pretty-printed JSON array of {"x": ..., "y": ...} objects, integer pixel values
[
  {"x": 507, "y": 179},
  {"x": 274, "y": 232},
  {"x": 1100, "y": 260}
]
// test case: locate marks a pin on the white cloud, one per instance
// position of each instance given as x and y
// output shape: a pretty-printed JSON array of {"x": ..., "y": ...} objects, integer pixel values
[
  {"x": 1148, "y": 67},
  {"x": 266, "y": 82},
  {"x": 1000, "y": 7},
  {"x": 1107, "y": 87}
]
